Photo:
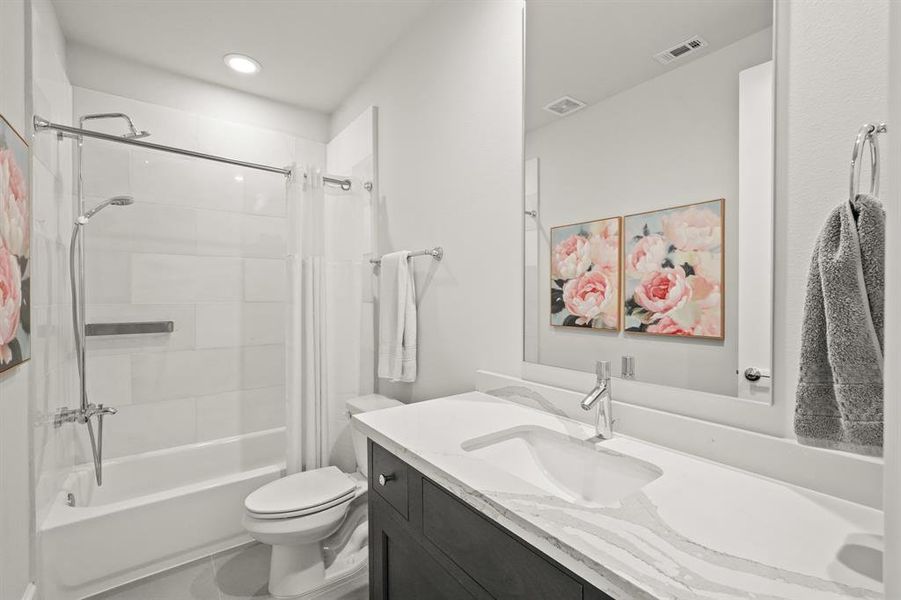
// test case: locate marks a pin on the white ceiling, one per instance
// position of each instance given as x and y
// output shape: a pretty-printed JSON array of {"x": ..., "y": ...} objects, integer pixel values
[
  {"x": 313, "y": 52},
  {"x": 594, "y": 49}
]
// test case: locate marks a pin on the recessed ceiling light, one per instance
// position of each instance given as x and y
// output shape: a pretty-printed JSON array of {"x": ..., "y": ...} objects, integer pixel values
[{"x": 242, "y": 63}]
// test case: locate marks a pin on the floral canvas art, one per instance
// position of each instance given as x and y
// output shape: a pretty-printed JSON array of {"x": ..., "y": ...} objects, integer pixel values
[
  {"x": 585, "y": 260},
  {"x": 673, "y": 271},
  {"x": 15, "y": 237}
]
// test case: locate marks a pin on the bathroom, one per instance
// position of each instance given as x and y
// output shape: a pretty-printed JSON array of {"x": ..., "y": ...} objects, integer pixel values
[{"x": 449, "y": 299}]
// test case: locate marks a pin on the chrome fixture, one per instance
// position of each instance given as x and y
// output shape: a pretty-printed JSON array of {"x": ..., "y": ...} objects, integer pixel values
[
  {"x": 868, "y": 132},
  {"x": 531, "y": 213},
  {"x": 437, "y": 253},
  {"x": 86, "y": 411},
  {"x": 133, "y": 132},
  {"x": 755, "y": 374},
  {"x": 600, "y": 395},
  {"x": 132, "y": 139},
  {"x": 627, "y": 370}
]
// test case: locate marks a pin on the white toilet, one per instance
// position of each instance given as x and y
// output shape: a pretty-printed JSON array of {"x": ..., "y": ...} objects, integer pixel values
[{"x": 296, "y": 513}]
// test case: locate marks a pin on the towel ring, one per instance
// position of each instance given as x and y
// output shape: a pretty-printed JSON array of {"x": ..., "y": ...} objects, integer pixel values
[{"x": 866, "y": 133}]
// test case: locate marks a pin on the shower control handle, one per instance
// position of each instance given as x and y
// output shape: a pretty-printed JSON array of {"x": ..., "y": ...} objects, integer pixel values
[{"x": 385, "y": 478}]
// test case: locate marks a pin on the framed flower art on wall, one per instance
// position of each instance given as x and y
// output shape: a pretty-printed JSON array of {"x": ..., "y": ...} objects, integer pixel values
[
  {"x": 15, "y": 247},
  {"x": 585, "y": 259},
  {"x": 673, "y": 271}
]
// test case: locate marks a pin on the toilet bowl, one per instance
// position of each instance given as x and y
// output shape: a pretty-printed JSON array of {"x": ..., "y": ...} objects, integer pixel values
[{"x": 296, "y": 513}]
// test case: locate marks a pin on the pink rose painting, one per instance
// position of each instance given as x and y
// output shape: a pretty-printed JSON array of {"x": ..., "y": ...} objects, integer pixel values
[
  {"x": 585, "y": 260},
  {"x": 673, "y": 268},
  {"x": 15, "y": 238}
]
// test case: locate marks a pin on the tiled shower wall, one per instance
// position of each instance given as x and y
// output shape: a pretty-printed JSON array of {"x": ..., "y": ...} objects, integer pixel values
[{"x": 203, "y": 246}]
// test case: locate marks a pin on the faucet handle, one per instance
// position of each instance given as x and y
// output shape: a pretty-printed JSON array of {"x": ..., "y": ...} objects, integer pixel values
[{"x": 602, "y": 368}]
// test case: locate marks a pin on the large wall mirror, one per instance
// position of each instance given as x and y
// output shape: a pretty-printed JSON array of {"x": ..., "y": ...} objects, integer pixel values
[{"x": 648, "y": 208}]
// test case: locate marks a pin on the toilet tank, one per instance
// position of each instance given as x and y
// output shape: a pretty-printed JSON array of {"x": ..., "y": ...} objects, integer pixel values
[{"x": 362, "y": 404}]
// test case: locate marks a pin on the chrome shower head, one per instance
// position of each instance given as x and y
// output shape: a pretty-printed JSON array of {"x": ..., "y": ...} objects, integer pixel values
[
  {"x": 114, "y": 201},
  {"x": 133, "y": 132}
]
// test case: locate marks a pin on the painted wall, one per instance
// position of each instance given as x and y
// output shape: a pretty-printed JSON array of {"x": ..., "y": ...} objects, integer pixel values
[
  {"x": 203, "y": 246},
  {"x": 823, "y": 96},
  {"x": 449, "y": 95},
  {"x": 16, "y": 512},
  {"x": 351, "y": 318},
  {"x": 671, "y": 140},
  {"x": 54, "y": 352}
]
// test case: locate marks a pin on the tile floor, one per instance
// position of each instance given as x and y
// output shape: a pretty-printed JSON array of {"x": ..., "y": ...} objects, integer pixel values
[{"x": 239, "y": 574}]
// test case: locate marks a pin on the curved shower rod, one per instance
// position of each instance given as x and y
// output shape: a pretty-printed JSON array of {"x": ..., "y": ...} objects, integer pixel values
[{"x": 41, "y": 124}]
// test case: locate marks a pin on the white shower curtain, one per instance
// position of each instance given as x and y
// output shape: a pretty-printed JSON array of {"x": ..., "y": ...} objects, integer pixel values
[{"x": 328, "y": 236}]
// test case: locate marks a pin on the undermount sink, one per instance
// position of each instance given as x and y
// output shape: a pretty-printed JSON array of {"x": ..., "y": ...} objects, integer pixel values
[{"x": 576, "y": 470}]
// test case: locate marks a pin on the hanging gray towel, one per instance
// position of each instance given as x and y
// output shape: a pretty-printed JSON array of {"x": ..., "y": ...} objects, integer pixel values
[{"x": 839, "y": 397}]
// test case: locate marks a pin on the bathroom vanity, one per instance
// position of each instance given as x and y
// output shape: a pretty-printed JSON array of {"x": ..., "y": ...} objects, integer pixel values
[
  {"x": 426, "y": 543},
  {"x": 473, "y": 496}
]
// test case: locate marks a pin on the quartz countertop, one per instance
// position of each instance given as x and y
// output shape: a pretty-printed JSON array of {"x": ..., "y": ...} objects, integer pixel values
[{"x": 700, "y": 530}]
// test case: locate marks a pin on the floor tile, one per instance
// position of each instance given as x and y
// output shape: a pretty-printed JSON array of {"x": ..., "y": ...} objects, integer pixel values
[{"x": 243, "y": 573}]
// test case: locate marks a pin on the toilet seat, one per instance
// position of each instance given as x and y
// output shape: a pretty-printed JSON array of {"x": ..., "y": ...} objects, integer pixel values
[{"x": 301, "y": 494}]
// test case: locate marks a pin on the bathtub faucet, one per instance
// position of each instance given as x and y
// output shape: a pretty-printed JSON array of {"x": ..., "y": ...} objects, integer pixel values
[{"x": 84, "y": 415}]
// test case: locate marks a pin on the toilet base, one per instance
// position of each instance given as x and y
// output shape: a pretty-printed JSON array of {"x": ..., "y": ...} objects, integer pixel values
[{"x": 295, "y": 570}]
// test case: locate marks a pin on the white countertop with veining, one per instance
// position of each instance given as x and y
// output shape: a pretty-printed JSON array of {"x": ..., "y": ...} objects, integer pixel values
[{"x": 701, "y": 530}]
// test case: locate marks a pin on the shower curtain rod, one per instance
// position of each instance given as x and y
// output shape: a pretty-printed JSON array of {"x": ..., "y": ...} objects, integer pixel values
[{"x": 41, "y": 124}]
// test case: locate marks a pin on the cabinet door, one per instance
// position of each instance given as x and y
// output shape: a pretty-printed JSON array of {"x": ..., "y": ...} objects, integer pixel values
[{"x": 401, "y": 569}]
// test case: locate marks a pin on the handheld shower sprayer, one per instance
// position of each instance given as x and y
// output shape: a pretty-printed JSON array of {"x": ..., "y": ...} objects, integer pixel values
[{"x": 86, "y": 411}]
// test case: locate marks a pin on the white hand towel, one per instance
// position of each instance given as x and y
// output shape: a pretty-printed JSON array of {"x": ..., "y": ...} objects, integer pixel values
[{"x": 397, "y": 319}]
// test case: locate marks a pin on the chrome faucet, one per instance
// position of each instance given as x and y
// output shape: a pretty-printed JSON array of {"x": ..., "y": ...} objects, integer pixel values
[{"x": 604, "y": 421}]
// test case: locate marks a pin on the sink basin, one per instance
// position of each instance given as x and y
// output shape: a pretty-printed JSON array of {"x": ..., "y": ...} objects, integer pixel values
[{"x": 576, "y": 470}]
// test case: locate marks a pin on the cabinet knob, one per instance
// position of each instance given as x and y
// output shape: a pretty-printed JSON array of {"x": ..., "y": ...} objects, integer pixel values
[{"x": 385, "y": 478}]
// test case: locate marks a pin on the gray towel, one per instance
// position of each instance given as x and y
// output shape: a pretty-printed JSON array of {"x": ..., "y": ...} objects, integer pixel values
[{"x": 839, "y": 397}]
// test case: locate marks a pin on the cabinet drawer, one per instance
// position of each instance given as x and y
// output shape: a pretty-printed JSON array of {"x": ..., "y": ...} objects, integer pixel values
[
  {"x": 504, "y": 566},
  {"x": 388, "y": 477}
]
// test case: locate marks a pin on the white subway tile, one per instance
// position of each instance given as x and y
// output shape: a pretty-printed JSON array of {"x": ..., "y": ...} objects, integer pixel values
[
  {"x": 262, "y": 366},
  {"x": 234, "y": 413},
  {"x": 265, "y": 280},
  {"x": 264, "y": 193},
  {"x": 164, "y": 279},
  {"x": 144, "y": 227},
  {"x": 145, "y": 427},
  {"x": 166, "y": 375},
  {"x": 107, "y": 277},
  {"x": 109, "y": 379},
  {"x": 240, "y": 324}
]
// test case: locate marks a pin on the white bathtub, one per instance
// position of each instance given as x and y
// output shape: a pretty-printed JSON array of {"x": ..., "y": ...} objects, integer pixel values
[{"x": 154, "y": 511}]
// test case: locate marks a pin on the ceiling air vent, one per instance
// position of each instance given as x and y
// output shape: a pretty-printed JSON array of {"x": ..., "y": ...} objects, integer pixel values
[
  {"x": 564, "y": 106},
  {"x": 680, "y": 50}
]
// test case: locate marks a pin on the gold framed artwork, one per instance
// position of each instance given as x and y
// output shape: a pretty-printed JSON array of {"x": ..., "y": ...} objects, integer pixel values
[
  {"x": 15, "y": 248},
  {"x": 585, "y": 275},
  {"x": 673, "y": 271}
]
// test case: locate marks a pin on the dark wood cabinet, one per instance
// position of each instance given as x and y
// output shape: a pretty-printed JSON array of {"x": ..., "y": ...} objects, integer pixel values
[{"x": 425, "y": 544}]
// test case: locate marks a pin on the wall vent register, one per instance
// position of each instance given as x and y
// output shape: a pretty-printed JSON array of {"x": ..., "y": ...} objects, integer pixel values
[
  {"x": 564, "y": 106},
  {"x": 681, "y": 49}
]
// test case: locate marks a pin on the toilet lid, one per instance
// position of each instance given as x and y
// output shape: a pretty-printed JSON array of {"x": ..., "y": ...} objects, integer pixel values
[{"x": 301, "y": 491}]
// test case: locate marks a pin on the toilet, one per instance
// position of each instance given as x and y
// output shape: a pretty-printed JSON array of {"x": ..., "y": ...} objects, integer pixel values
[{"x": 296, "y": 513}]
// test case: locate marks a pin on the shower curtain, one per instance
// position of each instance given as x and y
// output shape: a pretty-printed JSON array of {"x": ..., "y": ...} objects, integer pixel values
[{"x": 328, "y": 237}]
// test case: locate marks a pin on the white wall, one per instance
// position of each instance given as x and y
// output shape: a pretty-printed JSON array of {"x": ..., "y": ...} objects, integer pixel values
[
  {"x": 94, "y": 69},
  {"x": 350, "y": 318},
  {"x": 823, "y": 97},
  {"x": 53, "y": 352},
  {"x": 671, "y": 140},
  {"x": 203, "y": 246},
  {"x": 892, "y": 498},
  {"x": 16, "y": 512},
  {"x": 449, "y": 95}
]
